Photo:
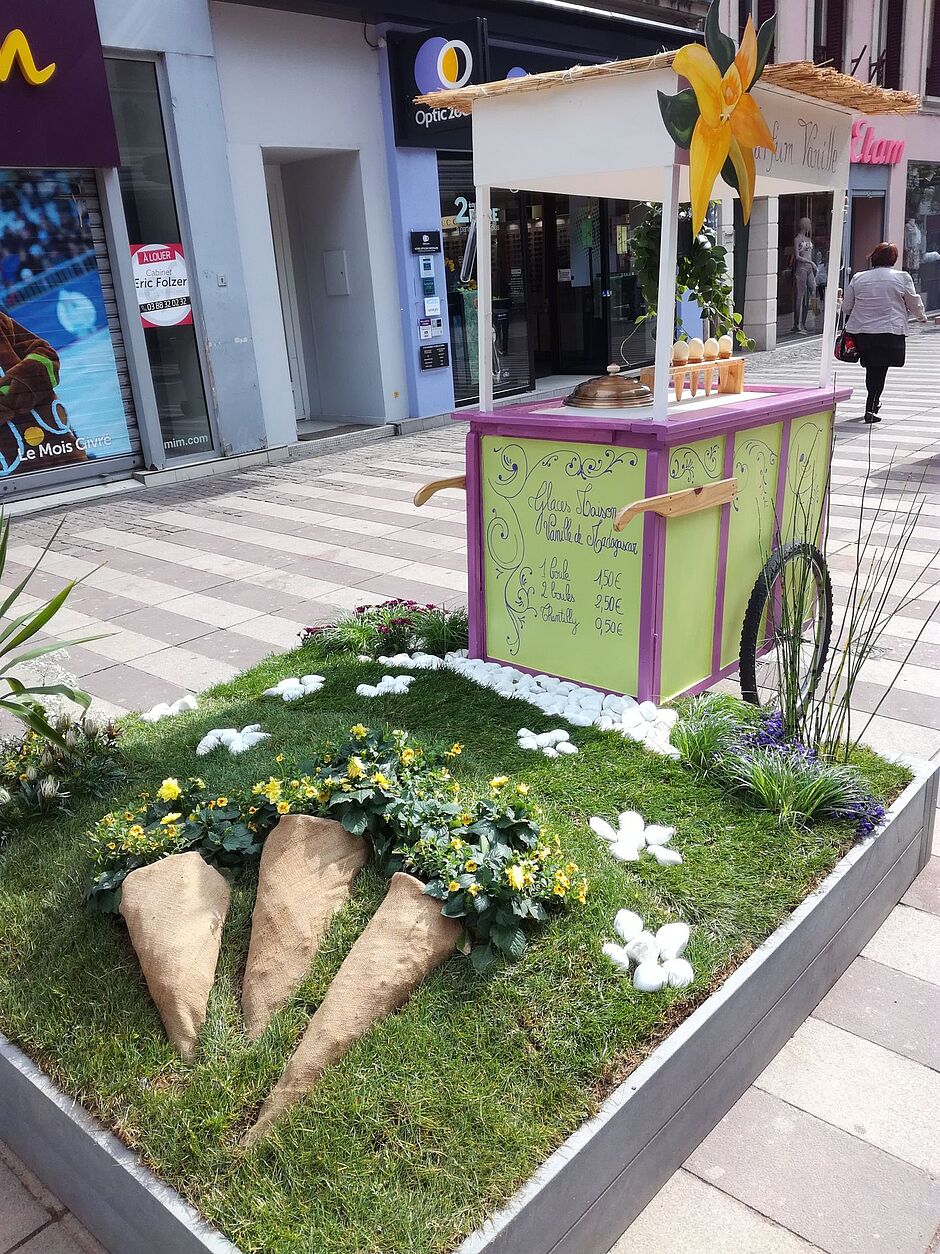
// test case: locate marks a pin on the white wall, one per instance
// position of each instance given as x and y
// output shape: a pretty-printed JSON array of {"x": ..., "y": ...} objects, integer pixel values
[{"x": 297, "y": 87}]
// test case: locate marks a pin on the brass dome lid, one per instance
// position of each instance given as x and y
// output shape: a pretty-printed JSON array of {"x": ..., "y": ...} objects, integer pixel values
[{"x": 612, "y": 390}]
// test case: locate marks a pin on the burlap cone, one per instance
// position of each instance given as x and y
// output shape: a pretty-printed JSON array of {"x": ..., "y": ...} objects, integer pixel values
[
  {"x": 307, "y": 868},
  {"x": 174, "y": 910},
  {"x": 404, "y": 941}
]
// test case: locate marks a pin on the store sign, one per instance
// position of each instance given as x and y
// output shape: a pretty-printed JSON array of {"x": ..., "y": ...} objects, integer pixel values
[
  {"x": 433, "y": 356},
  {"x": 868, "y": 149},
  {"x": 435, "y": 60},
  {"x": 60, "y": 396},
  {"x": 162, "y": 285},
  {"x": 809, "y": 147}
]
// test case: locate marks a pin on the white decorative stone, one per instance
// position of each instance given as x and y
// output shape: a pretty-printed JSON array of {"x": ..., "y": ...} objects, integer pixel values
[
  {"x": 230, "y": 738},
  {"x": 528, "y": 742},
  {"x": 162, "y": 710},
  {"x": 656, "y": 835},
  {"x": 643, "y": 948},
  {"x": 648, "y": 710},
  {"x": 671, "y": 939},
  {"x": 600, "y": 827},
  {"x": 630, "y": 825},
  {"x": 550, "y": 751},
  {"x": 566, "y": 748},
  {"x": 625, "y": 851},
  {"x": 649, "y": 977},
  {"x": 666, "y": 857},
  {"x": 679, "y": 973},
  {"x": 627, "y": 924},
  {"x": 617, "y": 954}
]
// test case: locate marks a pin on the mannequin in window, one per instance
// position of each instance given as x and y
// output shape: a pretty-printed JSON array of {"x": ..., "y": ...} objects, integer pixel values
[
  {"x": 913, "y": 250},
  {"x": 804, "y": 273}
]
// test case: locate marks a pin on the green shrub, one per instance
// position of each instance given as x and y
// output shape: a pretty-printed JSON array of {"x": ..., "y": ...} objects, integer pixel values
[
  {"x": 397, "y": 626},
  {"x": 796, "y": 787}
]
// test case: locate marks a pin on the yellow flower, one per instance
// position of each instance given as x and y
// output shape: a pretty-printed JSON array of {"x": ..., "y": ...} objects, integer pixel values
[
  {"x": 582, "y": 892},
  {"x": 355, "y": 770},
  {"x": 456, "y": 843},
  {"x": 407, "y": 757},
  {"x": 170, "y": 818},
  {"x": 221, "y": 802},
  {"x": 465, "y": 817},
  {"x": 129, "y": 814},
  {"x": 571, "y": 868},
  {"x": 516, "y": 877},
  {"x": 470, "y": 866},
  {"x": 279, "y": 758},
  {"x": 522, "y": 790},
  {"x": 359, "y": 731},
  {"x": 199, "y": 783},
  {"x": 169, "y": 790},
  {"x": 380, "y": 780},
  {"x": 455, "y": 750},
  {"x": 499, "y": 781},
  {"x": 473, "y": 889},
  {"x": 730, "y": 122},
  {"x": 283, "y": 807},
  {"x": 453, "y": 887}
]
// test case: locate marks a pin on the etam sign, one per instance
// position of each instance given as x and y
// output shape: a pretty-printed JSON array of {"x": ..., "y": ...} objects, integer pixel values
[
  {"x": 868, "y": 149},
  {"x": 55, "y": 109}
]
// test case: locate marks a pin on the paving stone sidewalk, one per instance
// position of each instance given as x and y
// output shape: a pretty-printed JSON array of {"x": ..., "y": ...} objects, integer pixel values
[{"x": 836, "y": 1146}]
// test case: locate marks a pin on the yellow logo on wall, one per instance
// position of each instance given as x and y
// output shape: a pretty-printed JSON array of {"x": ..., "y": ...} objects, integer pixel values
[
  {"x": 15, "y": 50},
  {"x": 34, "y": 436}
]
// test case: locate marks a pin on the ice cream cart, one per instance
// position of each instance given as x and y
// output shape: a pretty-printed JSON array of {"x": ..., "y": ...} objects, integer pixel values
[{"x": 634, "y": 535}]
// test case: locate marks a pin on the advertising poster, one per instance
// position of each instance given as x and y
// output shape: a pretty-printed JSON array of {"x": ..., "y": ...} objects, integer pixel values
[
  {"x": 60, "y": 398},
  {"x": 162, "y": 285}
]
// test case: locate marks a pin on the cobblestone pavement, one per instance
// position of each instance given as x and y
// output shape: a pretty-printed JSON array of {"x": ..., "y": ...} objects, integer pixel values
[{"x": 195, "y": 582}]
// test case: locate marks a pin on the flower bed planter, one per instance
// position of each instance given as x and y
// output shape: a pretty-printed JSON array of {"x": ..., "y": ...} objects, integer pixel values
[{"x": 594, "y": 1185}]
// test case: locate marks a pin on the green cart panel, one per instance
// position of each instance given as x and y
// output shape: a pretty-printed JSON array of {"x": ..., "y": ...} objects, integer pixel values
[
  {"x": 562, "y": 588},
  {"x": 807, "y": 471},
  {"x": 691, "y": 571},
  {"x": 751, "y": 529}
]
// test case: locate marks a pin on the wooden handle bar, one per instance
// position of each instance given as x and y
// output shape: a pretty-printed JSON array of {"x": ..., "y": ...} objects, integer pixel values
[
  {"x": 423, "y": 495},
  {"x": 674, "y": 504}
]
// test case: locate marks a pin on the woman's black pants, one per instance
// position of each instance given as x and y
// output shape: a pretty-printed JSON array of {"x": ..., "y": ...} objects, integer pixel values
[{"x": 875, "y": 383}]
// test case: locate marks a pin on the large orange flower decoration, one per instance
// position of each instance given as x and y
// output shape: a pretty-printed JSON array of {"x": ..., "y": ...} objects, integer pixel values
[{"x": 729, "y": 123}]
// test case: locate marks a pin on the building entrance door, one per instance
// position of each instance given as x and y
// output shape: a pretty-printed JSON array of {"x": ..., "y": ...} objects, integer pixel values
[
  {"x": 867, "y": 227},
  {"x": 570, "y": 270}
]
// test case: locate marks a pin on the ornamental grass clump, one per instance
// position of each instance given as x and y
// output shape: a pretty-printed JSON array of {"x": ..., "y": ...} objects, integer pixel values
[
  {"x": 708, "y": 727},
  {"x": 795, "y": 785},
  {"x": 397, "y": 626}
]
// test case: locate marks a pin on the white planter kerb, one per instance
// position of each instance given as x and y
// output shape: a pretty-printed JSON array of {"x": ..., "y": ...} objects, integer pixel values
[{"x": 590, "y": 1190}]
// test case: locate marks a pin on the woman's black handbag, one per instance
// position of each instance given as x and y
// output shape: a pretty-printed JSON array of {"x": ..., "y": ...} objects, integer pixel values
[{"x": 846, "y": 348}]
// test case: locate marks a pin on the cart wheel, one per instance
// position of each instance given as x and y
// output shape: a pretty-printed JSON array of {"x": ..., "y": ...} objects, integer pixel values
[{"x": 787, "y": 625}]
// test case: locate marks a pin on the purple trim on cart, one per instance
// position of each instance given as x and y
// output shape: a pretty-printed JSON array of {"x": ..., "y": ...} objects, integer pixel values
[
  {"x": 531, "y": 420},
  {"x": 648, "y": 626},
  {"x": 724, "y": 532},
  {"x": 661, "y": 457},
  {"x": 476, "y": 600}
]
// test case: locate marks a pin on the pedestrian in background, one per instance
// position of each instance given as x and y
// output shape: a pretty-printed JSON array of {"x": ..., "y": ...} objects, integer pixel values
[{"x": 877, "y": 306}]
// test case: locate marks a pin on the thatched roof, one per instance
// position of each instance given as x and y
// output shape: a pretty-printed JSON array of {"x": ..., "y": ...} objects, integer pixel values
[{"x": 818, "y": 81}]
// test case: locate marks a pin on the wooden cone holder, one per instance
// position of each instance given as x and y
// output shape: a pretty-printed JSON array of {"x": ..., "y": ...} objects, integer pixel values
[{"x": 727, "y": 372}]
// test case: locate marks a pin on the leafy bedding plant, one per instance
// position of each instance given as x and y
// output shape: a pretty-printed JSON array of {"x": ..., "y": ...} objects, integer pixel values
[
  {"x": 487, "y": 861},
  {"x": 524, "y": 1054},
  {"x": 41, "y": 777},
  {"x": 396, "y": 626}
]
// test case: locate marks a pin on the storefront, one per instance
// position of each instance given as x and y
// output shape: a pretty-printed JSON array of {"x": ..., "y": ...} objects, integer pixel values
[
  {"x": 566, "y": 294},
  {"x": 109, "y": 333},
  {"x": 66, "y": 406}
]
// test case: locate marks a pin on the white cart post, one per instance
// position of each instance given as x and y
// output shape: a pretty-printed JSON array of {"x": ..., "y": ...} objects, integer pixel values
[{"x": 484, "y": 298}]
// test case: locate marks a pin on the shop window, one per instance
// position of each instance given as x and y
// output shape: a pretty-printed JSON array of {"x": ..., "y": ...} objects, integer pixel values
[
  {"x": 759, "y": 11},
  {"x": 803, "y": 274},
  {"x": 63, "y": 395},
  {"x": 921, "y": 256},
  {"x": 511, "y": 363},
  {"x": 159, "y": 262}
]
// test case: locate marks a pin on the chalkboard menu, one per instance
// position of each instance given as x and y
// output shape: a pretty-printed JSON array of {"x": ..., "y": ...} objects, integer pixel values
[{"x": 562, "y": 587}]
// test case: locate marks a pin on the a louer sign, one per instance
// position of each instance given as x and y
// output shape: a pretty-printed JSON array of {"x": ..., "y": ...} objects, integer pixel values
[{"x": 55, "y": 110}]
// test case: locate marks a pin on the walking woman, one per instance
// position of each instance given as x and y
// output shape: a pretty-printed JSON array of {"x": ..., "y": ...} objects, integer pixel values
[{"x": 877, "y": 306}]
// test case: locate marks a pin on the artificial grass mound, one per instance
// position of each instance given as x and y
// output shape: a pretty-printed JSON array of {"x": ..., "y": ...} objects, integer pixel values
[{"x": 441, "y": 1111}]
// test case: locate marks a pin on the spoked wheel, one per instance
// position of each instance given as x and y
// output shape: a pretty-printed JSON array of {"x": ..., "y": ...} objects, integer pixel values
[{"x": 787, "y": 627}]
